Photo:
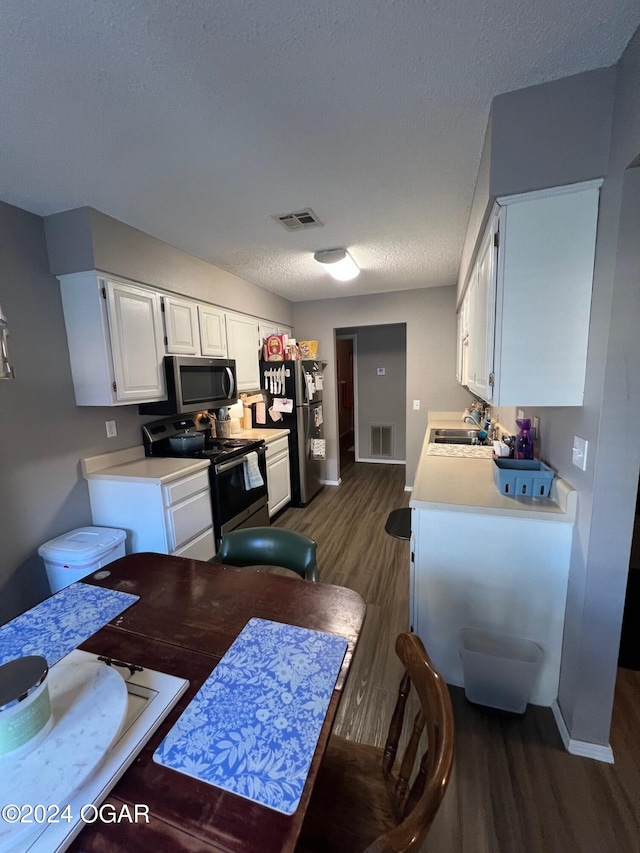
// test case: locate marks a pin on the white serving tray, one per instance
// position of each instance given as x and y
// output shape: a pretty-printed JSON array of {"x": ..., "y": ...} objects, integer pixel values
[{"x": 151, "y": 695}]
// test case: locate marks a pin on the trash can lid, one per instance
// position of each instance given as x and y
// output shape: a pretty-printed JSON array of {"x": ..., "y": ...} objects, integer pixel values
[{"x": 82, "y": 544}]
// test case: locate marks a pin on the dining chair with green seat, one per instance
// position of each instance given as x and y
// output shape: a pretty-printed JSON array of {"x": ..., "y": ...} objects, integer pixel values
[
  {"x": 359, "y": 804},
  {"x": 270, "y": 546}
]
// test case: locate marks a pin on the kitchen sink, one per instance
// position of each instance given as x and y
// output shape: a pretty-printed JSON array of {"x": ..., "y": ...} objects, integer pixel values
[{"x": 454, "y": 436}]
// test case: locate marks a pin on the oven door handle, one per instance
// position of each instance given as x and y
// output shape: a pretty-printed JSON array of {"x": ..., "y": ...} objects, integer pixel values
[{"x": 233, "y": 463}]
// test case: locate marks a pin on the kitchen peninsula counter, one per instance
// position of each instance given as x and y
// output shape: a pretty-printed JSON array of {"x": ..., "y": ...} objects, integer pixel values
[
  {"x": 464, "y": 484},
  {"x": 487, "y": 561}
]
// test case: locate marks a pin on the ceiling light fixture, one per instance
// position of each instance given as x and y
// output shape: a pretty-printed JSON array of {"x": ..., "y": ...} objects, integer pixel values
[{"x": 339, "y": 263}]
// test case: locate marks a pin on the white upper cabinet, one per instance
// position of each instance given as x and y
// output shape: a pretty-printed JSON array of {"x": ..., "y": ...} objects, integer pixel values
[
  {"x": 529, "y": 299},
  {"x": 115, "y": 336},
  {"x": 266, "y": 328},
  {"x": 194, "y": 328},
  {"x": 243, "y": 344},
  {"x": 181, "y": 326},
  {"x": 213, "y": 337},
  {"x": 481, "y": 316}
]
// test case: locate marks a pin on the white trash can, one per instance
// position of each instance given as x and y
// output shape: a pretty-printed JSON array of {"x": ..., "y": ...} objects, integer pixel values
[
  {"x": 499, "y": 671},
  {"x": 76, "y": 554}
]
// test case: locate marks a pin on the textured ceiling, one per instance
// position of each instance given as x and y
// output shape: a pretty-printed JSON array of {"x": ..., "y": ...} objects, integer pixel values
[{"x": 195, "y": 121}]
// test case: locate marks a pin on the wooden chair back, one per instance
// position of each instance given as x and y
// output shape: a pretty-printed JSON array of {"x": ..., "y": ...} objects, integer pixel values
[{"x": 417, "y": 802}]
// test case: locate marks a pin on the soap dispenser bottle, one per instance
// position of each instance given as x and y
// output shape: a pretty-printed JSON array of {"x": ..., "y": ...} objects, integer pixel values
[{"x": 524, "y": 441}]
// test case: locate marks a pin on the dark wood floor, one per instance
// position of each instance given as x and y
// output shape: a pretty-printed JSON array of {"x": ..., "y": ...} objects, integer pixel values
[{"x": 514, "y": 788}]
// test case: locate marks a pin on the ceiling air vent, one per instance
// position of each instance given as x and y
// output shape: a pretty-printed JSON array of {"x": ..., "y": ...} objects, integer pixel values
[{"x": 298, "y": 221}]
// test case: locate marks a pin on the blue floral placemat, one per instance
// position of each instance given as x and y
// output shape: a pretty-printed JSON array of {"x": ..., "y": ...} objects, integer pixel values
[
  {"x": 60, "y": 623},
  {"x": 253, "y": 726}
]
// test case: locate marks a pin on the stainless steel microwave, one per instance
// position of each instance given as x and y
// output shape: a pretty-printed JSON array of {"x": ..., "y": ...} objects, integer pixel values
[{"x": 195, "y": 384}]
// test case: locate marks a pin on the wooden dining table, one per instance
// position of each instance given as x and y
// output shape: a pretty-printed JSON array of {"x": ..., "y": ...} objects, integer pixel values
[{"x": 188, "y": 615}]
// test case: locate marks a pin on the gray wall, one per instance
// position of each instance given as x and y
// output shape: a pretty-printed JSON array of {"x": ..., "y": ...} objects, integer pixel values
[
  {"x": 381, "y": 399},
  {"x": 542, "y": 136},
  {"x": 570, "y": 130},
  {"x": 86, "y": 239},
  {"x": 43, "y": 434},
  {"x": 429, "y": 315}
]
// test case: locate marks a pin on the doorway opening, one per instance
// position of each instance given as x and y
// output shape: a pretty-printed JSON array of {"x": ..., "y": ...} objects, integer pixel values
[
  {"x": 345, "y": 379},
  {"x": 371, "y": 382}
]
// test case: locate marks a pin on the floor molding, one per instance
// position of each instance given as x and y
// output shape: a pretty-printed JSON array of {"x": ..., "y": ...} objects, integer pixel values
[
  {"x": 378, "y": 461},
  {"x": 583, "y": 748},
  {"x": 337, "y": 482}
]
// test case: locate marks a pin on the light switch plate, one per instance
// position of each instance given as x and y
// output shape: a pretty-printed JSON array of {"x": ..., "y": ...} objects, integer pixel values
[
  {"x": 416, "y": 405},
  {"x": 381, "y": 371},
  {"x": 579, "y": 456}
]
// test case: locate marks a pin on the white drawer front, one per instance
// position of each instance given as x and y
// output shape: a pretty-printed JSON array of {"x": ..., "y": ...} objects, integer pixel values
[
  {"x": 186, "y": 487},
  {"x": 278, "y": 446},
  {"x": 187, "y": 519},
  {"x": 203, "y": 547}
]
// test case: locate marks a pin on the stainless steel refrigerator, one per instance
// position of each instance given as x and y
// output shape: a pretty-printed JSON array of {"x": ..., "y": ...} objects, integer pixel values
[{"x": 300, "y": 382}]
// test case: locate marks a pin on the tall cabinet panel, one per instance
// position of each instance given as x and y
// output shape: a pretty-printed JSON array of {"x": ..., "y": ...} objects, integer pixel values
[
  {"x": 243, "y": 342},
  {"x": 136, "y": 340}
]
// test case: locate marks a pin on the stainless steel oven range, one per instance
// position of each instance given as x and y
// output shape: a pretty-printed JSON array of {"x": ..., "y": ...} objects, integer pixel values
[{"x": 236, "y": 499}]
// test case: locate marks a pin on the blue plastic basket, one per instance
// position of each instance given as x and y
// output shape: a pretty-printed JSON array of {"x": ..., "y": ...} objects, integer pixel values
[{"x": 522, "y": 477}]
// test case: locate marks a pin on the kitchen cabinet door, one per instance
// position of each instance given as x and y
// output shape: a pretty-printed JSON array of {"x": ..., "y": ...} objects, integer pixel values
[
  {"x": 115, "y": 339},
  {"x": 213, "y": 336},
  {"x": 181, "y": 326},
  {"x": 136, "y": 342},
  {"x": 278, "y": 474},
  {"x": 243, "y": 344},
  {"x": 267, "y": 329},
  {"x": 529, "y": 299},
  {"x": 544, "y": 282},
  {"x": 462, "y": 353},
  {"x": 482, "y": 317}
]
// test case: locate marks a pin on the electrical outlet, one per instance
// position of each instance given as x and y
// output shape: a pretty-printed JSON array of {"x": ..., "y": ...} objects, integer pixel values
[
  {"x": 520, "y": 414},
  {"x": 536, "y": 427},
  {"x": 416, "y": 405},
  {"x": 112, "y": 430},
  {"x": 579, "y": 455}
]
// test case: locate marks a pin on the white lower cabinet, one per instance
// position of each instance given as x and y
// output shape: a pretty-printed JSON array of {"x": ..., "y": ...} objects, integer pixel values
[
  {"x": 278, "y": 474},
  {"x": 495, "y": 573},
  {"x": 173, "y": 518}
]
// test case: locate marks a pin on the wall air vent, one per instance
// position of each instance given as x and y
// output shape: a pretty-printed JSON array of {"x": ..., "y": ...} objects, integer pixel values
[
  {"x": 298, "y": 221},
  {"x": 381, "y": 440}
]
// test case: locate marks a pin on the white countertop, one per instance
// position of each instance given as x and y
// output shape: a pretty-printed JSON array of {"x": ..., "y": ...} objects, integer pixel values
[
  {"x": 260, "y": 432},
  {"x": 463, "y": 484},
  {"x": 132, "y": 464}
]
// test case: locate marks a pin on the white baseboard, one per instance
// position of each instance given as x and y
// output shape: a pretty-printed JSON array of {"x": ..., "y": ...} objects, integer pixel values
[
  {"x": 377, "y": 461},
  {"x": 580, "y": 747},
  {"x": 408, "y": 488},
  {"x": 333, "y": 482}
]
